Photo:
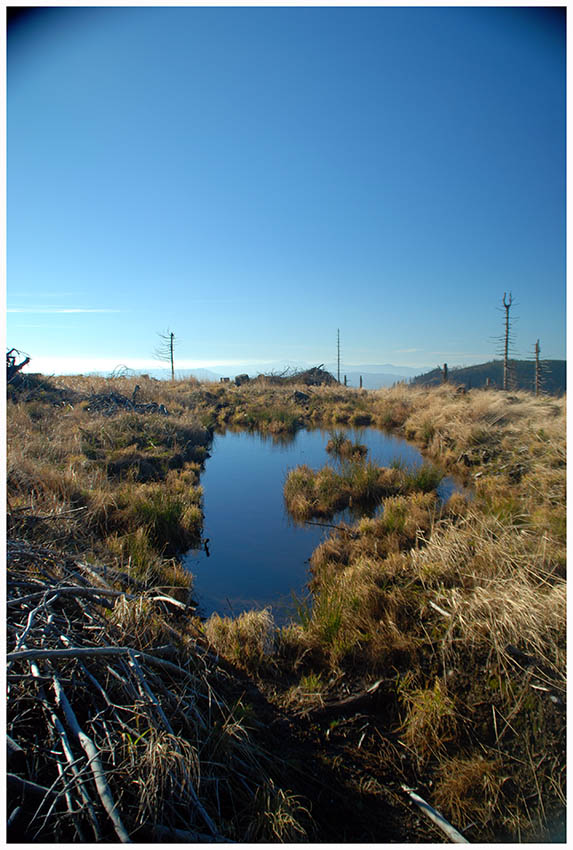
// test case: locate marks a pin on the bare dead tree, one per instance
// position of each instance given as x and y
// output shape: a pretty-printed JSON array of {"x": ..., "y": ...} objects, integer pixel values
[
  {"x": 541, "y": 372},
  {"x": 507, "y": 305},
  {"x": 164, "y": 350}
]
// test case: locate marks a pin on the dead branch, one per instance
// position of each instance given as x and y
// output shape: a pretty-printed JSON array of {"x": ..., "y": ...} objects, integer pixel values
[
  {"x": 86, "y": 799},
  {"x": 87, "y": 651},
  {"x": 32, "y": 788},
  {"x": 94, "y": 761},
  {"x": 436, "y": 817},
  {"x": 356, "y": 702}
]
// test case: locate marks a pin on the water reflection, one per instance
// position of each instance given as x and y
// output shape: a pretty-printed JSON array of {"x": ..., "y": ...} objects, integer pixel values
[{"x": 255, "y": 554}]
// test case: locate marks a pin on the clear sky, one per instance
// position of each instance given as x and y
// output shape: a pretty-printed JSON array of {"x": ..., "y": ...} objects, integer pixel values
[{"x": 255, "y": 178}]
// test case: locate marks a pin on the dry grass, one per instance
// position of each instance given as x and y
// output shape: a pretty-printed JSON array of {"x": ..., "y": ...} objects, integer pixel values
[
  {"x": 247, "y": 640},
  {"x": 126, "y": 485},
  {"x": 468, "y": 790},
  {"x": 479, "y": 679},
  {"x": 431, "y": 720}
]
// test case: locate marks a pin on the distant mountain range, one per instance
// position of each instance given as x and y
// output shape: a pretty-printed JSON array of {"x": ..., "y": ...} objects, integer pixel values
[
  {"x": 373, "y": 376},
  {"x": 387, "y": 374},
  {"x": 522, "y": 375}
]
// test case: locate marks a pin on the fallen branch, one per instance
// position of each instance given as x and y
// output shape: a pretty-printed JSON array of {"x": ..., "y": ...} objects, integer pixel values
[
  {"x": 31, "y": 788},
  {"x": 353, "y": 534},
  {"x": 95, "y": 763},
  {"x": 357, "y": 702},
  {"x": 87, "y": 651},
  {"x": 436, "y": 817},
  {"x": 437, "y": 608},
  {"x": 86, "y": 799},
  {"x": 92, "y": 591}
]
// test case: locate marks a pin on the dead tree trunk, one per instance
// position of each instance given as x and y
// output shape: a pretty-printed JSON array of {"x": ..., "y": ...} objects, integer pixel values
[
  {"x": 171, "y": 338},
  {"x": 507, "y": 304},
  {"x": 537, "y": 369}
]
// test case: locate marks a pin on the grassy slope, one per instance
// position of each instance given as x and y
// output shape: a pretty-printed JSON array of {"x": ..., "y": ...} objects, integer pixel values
[{"x": 471, "y": 709}]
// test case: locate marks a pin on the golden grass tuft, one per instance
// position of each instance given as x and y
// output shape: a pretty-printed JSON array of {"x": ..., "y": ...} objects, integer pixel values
[
  {"x": 431, "y": 720},
  {"x": 279, "y": 816},
  {"x": 247, "y": 640},
  {"x": 467, "y": 789}
]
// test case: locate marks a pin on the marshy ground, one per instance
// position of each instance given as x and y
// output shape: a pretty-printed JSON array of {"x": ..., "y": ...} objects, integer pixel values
[{"x": 432, "y": 656}]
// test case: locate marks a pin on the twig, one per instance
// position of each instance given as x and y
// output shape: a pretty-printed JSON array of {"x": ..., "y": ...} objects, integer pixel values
[
  {"x": 354, "y": 703},
  {"x": 69, "y": 803},
  {"x": 149, "y": 693},
  {"x": 437, "y": 608},
  {"x": 147, "y": 690},
  {"x": 436, "y": 817},
  {"x": 13, "y": 749},
  {"x": 348, "y": 531}
]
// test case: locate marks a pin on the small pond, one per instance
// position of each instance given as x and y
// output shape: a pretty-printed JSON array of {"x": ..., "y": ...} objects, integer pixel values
[{"x": 257, "y": 555}]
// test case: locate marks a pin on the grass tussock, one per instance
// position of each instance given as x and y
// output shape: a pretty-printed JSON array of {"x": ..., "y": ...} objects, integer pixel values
[
  {"x": 469, "y": 789},
  {"x": 430, "y": 720},
  {"x": 247, "y": 640},
  {"x": 342, "y": 447},
  {"x": 321, "y": 493}
]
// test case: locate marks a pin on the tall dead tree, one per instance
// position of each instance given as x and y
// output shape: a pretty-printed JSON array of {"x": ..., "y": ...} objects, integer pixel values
[
  {"x": 164, "y": 350},
  {"x": 338, "y": 353},
  {"x": 507, "y": 302},
  {"x": 542, "y": 372}
]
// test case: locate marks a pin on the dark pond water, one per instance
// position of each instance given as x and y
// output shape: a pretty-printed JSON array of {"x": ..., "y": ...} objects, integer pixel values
[{"x": 257, "y": 555}]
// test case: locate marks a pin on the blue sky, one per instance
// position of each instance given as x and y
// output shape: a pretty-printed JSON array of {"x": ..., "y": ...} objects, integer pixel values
[{"x": 255, "y": 178}]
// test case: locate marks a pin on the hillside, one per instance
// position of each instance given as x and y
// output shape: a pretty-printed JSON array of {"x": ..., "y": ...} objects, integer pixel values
[{"x": 523, "y": 373}]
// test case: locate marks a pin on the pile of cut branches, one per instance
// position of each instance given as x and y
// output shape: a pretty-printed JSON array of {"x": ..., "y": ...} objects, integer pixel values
[
  {"x": 110, "y": 403},
  {"x": 121, "y": 723},
  {"x": 314, "y": 377}
]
